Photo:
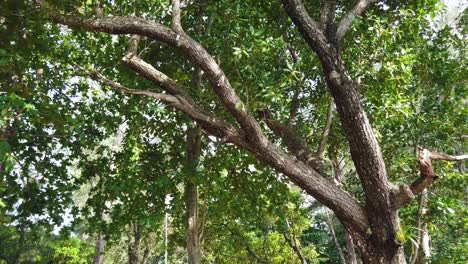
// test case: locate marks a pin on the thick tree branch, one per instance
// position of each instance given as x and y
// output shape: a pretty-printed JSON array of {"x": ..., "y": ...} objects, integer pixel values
[
  {"x": 148, "y": 71},
  {"x": 359, "y": 8},
  {"x": 202, "y": 59},
  {"x": 291, "y": 139},
  {"x": 309, "y": 28},
  {"x": 327, "y": 14}
]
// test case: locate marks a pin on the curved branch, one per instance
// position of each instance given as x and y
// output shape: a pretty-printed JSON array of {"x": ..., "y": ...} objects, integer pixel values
[
  {"x": 209, "y": 123},
  {"x": 169, "y": 99},
  {"x": 359, "y": 8},
  {"x": 405, "y": 193}
]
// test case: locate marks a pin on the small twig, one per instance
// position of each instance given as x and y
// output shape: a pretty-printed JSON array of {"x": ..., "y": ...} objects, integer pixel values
[{"x": 326, "y": 130}]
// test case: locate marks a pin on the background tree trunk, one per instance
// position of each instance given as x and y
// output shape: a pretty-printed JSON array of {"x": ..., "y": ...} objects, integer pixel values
[
  {"x": 193, "y": 149},
  {"x": 134, "y": 248},
  {"x": 99, "y": 250},
  {"x": 329, "y": 222},
  {"x": 418, "y": 253},
  {"x": 292, "y": 242},
  {"x": 350, "y": 248},
  {"x": 144, "y": 259},
  {"x": 17, "y": 256}
]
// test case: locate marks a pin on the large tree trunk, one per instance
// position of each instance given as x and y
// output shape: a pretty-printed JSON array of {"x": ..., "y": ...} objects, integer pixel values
[
  {"x": 381, "y": 246},
  {"x": 193, "y": 149},
  {"x": 99, "y": 250},
  {"x": 378, "y": 243}
]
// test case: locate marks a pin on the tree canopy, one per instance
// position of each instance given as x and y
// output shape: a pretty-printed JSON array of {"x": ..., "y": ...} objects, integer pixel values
[{"x": 233, "y": 131}]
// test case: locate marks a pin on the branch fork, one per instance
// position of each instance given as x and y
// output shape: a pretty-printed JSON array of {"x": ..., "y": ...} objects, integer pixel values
[{"x": 406, "y": 193}]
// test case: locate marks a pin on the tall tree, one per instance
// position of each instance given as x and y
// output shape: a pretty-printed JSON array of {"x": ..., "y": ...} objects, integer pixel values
[{"x": 375, "y": 223}]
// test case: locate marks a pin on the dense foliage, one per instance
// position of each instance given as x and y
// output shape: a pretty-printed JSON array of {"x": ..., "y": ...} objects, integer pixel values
[{"x": 79, "y": 159}]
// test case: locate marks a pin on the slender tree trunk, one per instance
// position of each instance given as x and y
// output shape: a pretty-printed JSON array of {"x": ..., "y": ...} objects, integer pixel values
[
  {"x": 21, "y": 239},
  {"x": 339, "y": 177},
  {"x": 293, "y": 244},
  {"x": 99, "y": 250},
  {"x": 144, "y": 260},
  {"x": 418, "y": 256},
  {"x": 335, "y": 239},
  {"x": 134, "y": 248},
  {"x": 350, "y": 248},
  {"x": 193, "y": 149}
]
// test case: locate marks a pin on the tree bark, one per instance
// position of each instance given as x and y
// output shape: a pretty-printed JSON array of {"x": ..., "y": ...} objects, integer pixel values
[
  {"x": 351, "y": 250},
  {"x": 193, "y": 149},
  {"x": 99, "y": 250},
  {"x": 378, "y": 244},
  {"x": 249, "y": 137}
]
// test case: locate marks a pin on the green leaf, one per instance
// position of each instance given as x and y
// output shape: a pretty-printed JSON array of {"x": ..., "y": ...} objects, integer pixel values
[
  {"x": 4, "y": 61},
  {"x": 4, "y": 147}
]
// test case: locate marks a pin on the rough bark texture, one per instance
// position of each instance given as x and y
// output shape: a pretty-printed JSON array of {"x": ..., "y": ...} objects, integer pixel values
[
  {"x": 378, "y": 244},
  {"x": 99, "y": 250},
  {"x": 193, "y": 149}
]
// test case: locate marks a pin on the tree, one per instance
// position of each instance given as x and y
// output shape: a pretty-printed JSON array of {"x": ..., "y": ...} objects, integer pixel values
[{"x": 374, "y": 222}]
